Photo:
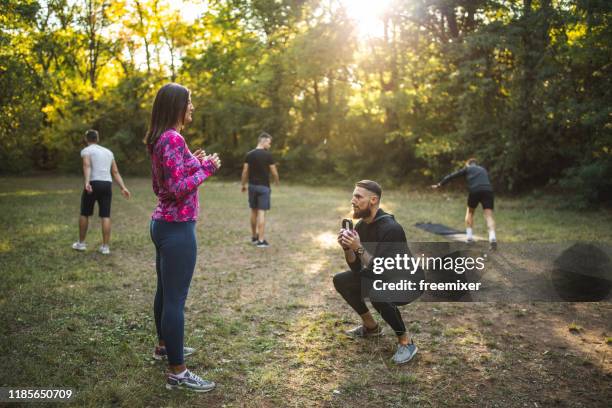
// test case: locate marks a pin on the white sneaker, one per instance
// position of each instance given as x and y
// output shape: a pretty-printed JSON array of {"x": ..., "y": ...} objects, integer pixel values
[
  {"x": 79, "y": 246},
  {"x": 104, "y": 250}
]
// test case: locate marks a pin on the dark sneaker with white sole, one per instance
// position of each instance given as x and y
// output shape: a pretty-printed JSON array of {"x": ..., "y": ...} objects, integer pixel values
[
  {"x": 493, "y": 245},
  {"x": 361, "y": 332},
  {"x": 404, "y": 353},
  {"x": 160, "y": 353},
  {"x": 262, "y": 244},
  {"x": 254, "y": 240},
  {"x": 190, "y": 382}
]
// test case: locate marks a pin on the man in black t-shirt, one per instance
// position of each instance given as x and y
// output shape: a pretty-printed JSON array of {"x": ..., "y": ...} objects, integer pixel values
[{"x": 258, "y": 165}]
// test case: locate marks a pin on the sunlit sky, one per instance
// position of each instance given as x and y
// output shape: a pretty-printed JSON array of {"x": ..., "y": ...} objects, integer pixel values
[
  {"x": 367, "y": 14},
  {"x": 190, "y": 9}
]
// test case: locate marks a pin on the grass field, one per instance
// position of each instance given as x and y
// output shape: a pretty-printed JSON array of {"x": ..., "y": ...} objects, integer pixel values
[{"x": 267, "y": 322}]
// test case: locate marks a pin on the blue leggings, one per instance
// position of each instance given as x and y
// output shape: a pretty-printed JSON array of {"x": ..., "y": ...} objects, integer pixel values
[{"x": 175, "y": 258}]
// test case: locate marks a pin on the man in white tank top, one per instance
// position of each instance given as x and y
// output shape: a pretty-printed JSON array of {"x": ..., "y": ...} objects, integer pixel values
[{"x": 99, "y": 168}]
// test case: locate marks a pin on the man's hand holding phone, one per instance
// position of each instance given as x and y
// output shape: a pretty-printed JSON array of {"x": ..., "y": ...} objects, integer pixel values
[
  {"x": 350, "y": 239},
  {"x": 341, "y": 239}
]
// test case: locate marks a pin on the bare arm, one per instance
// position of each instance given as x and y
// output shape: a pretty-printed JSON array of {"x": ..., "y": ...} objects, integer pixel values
[
  {"x": 274, "y": 172},
  {"x": 87, "y": 173},
  {"x": 119, "y": 179},
  {"x": 245, "y": 176},
  {"x": 349, "y": 254},
  {"x": 351, "y": 257}
]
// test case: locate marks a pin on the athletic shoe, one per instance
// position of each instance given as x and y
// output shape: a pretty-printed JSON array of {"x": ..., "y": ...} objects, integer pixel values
[
  {"x": 404, "y": 353},
  {"x": 262, "y": 244},
  {"x": 469, "y": 241},
  {"x": 160, "y": 353},
  {"x": 360, "y": 332},
  {"x": 493, "y": 245},
  {"x": 190, "y": 382},
  {"x": 104, "y": 250},
  {"x": 254, "y": 240},
  {"x": 79, "y": 246}
]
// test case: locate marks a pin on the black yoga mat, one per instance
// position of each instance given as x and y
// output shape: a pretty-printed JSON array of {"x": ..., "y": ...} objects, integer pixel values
[{"x": 438, "y": 229}]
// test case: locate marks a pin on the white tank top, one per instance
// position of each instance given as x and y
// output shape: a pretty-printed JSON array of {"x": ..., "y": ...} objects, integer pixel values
[{"x": 101, "y": 160}]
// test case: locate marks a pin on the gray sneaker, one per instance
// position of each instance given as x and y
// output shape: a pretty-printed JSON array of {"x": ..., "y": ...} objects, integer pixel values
[
  {"x": 190, "y": 382},
  {"x": 160, "y": 353},
  {"x": 404, "y": 353},
  {"x": 361, "y": 332}
]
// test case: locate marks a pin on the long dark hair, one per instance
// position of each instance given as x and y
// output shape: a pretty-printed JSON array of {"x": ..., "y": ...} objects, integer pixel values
[{"x": 169, "y": 109}]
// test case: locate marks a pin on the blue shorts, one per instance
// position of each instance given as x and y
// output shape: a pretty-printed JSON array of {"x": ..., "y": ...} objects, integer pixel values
[{"x": 259, "y": 197}]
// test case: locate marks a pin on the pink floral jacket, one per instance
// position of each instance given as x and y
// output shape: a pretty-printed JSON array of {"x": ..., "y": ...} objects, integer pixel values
[{"x": 176, "y": 176}]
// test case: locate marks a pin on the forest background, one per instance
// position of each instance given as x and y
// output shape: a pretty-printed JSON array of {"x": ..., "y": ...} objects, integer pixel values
[{"x": 398, "y": 91}]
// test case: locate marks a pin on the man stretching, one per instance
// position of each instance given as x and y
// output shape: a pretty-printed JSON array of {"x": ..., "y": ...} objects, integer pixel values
[
  {"x": 480, "y": 191},
  {"x": 98, "y": 164},
  {"x": 385, "y": 235},
  {"x": 258, "y": 165}
]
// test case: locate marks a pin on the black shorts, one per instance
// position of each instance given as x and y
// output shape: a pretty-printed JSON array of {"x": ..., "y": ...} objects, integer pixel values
[
  {"x": 483, "y": 197},
  {"x": 103, "y": 194}
]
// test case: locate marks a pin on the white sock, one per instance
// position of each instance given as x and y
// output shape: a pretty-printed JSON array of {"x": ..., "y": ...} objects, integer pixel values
[
  {"x": 492, "y": 236},
  {"x": 181, "y": 375},
  {"x": 468, "y": 232}
]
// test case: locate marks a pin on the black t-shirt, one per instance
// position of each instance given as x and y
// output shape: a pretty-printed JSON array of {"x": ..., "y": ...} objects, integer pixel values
[{"x": 259, "y": 161}]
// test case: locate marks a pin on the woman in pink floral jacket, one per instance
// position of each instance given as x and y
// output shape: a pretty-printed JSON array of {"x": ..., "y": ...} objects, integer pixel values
[{"x": 176, "y": 173}]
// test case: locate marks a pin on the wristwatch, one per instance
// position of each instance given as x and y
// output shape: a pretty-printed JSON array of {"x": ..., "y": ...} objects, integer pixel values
[{"x": 359, "y": 251}]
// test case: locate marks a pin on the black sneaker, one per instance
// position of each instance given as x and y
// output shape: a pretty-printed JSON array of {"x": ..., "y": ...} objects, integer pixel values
[
  {"x": 493, "y": 245},
  {"x": 254, "y": 240},
  {"x": 189, "y": 381},
  {"x": 262, "y": 244}
]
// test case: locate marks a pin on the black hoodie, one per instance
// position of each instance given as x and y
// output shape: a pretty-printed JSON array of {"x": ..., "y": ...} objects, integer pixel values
[{"x": 384, "y": 229}]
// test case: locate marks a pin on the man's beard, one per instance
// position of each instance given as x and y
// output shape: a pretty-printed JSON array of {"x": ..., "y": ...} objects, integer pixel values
[{"x": 359, "y": 214}]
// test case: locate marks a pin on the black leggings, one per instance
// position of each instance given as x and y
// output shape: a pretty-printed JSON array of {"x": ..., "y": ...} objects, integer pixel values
[{"x": 348, "y": 284}]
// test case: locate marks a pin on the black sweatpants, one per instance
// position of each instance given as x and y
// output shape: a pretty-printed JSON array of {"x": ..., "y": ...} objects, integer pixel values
[{"x": 348, "y": 284}]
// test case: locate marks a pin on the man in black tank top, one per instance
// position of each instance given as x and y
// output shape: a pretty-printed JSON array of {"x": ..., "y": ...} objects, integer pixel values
[{"x": 480, "y": 191}]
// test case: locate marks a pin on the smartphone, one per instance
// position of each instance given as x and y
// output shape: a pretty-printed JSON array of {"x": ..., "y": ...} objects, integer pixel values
[{"x": 347, "y": 224}]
